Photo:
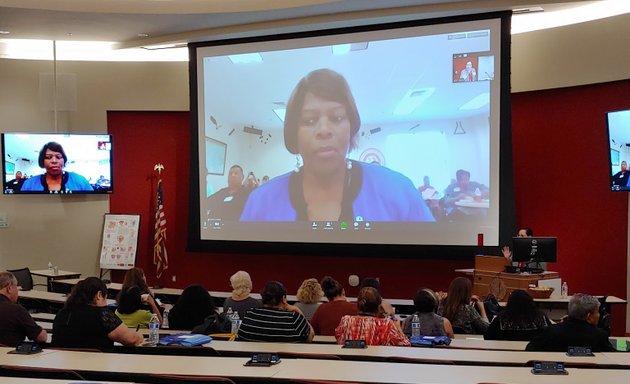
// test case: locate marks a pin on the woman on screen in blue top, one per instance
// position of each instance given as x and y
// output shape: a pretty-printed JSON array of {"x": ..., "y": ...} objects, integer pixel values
[
  {"x": 321, "y": 125},
  {"x": 53, "y": 159}
]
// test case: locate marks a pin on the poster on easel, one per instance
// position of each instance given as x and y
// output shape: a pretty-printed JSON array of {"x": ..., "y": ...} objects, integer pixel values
[{"x": 120, "y": 241}]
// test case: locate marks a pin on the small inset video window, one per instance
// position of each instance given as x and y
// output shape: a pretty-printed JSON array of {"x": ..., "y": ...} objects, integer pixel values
[{"x": 474, "y": 66}]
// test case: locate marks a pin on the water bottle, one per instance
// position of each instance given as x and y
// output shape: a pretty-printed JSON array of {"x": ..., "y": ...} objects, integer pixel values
[
  {"x": 415, "y": 325},
  {"x": 564, "y": 292},
  {"x": 165, "y": 318},
  {"x": 236, "y": 322},
  {"x": 50, "y": 266},
  {"x": 154, "y": 330},
  {"x": 229, "y": 314}
]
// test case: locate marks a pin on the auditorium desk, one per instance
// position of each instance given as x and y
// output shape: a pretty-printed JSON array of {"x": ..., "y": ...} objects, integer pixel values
[
  {"x": 129, "y": 366},
  {"x": 51, "y": 297},
  {"x": 381, "y": 353}
]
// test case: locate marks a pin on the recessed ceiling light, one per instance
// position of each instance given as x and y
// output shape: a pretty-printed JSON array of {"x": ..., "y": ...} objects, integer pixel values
[
  {"x": 143, "y": 35},
  {"x": 4, "y": 32},
  {"x": 69, "y": 34}
]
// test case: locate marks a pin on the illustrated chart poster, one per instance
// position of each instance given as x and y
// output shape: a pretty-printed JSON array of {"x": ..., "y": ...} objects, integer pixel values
[{"x": 120, "y": 241}]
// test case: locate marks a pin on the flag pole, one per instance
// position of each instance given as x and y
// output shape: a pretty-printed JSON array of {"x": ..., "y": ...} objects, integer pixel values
[{"x": 160, "y": 256}]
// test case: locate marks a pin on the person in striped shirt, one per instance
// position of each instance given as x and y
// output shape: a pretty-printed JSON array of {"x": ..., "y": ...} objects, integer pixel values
[{"x": 276, "y": 321}]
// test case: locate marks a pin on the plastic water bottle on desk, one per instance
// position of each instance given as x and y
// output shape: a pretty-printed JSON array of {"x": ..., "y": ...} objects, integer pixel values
[
  {"x": 564, "y": 291},
  {"x": 236, "y": 322},
  {"x": 229, "y": 314},
  {"x": 415, "y": 325},
  {"x": 154, "y": 330},
  {"x": 50, "y": 266},
  {"x": 165, "y": 318}
]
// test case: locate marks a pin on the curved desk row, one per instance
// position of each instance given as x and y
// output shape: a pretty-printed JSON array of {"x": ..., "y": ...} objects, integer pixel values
[{"x": 94, "y": 365}]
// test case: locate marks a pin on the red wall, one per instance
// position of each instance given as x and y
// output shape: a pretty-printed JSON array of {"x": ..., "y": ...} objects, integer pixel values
[{"x": 560, "y": 172}]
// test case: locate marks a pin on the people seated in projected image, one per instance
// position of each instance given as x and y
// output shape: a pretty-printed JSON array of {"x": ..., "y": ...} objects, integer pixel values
[
  {"x": 621, "y": 178},
  {"x": 579, "y": 329},
  {"x": 16, "y": 184},
  {"x": 469, "y": 73},
  {"x": 276, "y": 320},
  {"x": 520, "y": 320},
  {"x": 240, "y": 300},
  {"x": 431, "y": 324},
  {"x": 369, "y": 324},
  {"x": 227, "y": 203},
  {"x": 321, "y": 126},
  {"x": 463, "y": 190},
  {"x": 53, "y": 159},
  {"x": 327, "y": 316}
]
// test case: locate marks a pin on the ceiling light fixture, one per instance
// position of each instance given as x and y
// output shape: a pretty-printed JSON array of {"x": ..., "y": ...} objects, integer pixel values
[
  {"x": 412, "y": 100},
  {"x": 3, "y": 32}
]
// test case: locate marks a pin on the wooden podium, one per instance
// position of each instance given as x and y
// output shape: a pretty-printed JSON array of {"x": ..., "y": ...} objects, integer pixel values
[{"x": 488, "y": 277}]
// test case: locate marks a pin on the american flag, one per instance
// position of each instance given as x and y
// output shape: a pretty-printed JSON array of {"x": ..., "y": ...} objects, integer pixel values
[{"x": 160, "y": 258}]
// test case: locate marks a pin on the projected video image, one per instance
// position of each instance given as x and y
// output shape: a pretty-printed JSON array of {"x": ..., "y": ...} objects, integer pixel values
[{"x": 365, "y": 133}]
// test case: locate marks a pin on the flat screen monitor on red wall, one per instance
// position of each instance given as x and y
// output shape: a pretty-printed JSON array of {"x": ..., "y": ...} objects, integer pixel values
[
  {"x": 618, "y": 123},
  {"x": 56, "y": 163},
  {"x": 386, "y": 135}
]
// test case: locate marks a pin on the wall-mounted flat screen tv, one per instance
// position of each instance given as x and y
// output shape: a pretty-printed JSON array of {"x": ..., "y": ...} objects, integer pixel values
[
  {"x": 619, "y": 141},
  {"x": 56, "y": 163}
]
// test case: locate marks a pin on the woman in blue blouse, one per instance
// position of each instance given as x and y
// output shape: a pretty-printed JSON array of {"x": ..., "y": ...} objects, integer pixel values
[{"x": 321, "y": 125}]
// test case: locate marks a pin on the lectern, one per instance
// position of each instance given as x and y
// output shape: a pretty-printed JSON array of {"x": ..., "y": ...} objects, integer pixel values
[{"x": 489, "y": 277}]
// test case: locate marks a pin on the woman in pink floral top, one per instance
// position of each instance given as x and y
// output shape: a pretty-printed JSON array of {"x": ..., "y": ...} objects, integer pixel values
[{"x": 369, "y": 324}]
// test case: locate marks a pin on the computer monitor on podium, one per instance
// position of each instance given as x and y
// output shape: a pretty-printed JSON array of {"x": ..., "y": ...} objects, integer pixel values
[{"x": 534, "y": 249}]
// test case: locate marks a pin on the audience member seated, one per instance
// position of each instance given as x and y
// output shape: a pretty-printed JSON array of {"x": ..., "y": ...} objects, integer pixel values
[
  {"x": 327, "y": 316},
  {"x": 135, "y": 277},
  {"x": 276, "y": 320},
  {"x": 130, "y": 309},
  {"x": 241, "y": 301},
  {"x": 369, "y": 325},
  {"x": 192, "y": 308},
  {"x": 386, "y": 307},
  {"x": 431, "y": 324},
  {"x": 15, "y": 321},
  {"x": 309, "y": 296},
  {"x": 214, "y": 323},
  {"x": 86, "y": 322},
  {"x": 579, "y": 329},
  {"x": 520, "y": 320},
  {"x": 465, "y": 311}
]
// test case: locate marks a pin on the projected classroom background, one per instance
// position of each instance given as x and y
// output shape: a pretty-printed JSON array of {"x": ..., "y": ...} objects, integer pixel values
[{"x": 428, "y": 99}]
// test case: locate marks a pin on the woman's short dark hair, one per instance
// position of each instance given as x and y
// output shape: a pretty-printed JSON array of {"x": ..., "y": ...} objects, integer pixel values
[
  {"x": 55, "y": 147},
  {"x": 528, "y": 231},
  {"x": 331, "y": 288},
  {"x": 424, "y": 301},
  {"x": 273, "y": 293},
  {"x": 329, "y": 85},
  {"x": 84, "y": 292},
  {"x": 130, "y": 300},
  {"x": 521, "y": 308},
  {"x": 369, "y": 300},
  {"x": 371, "y": 282}
]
